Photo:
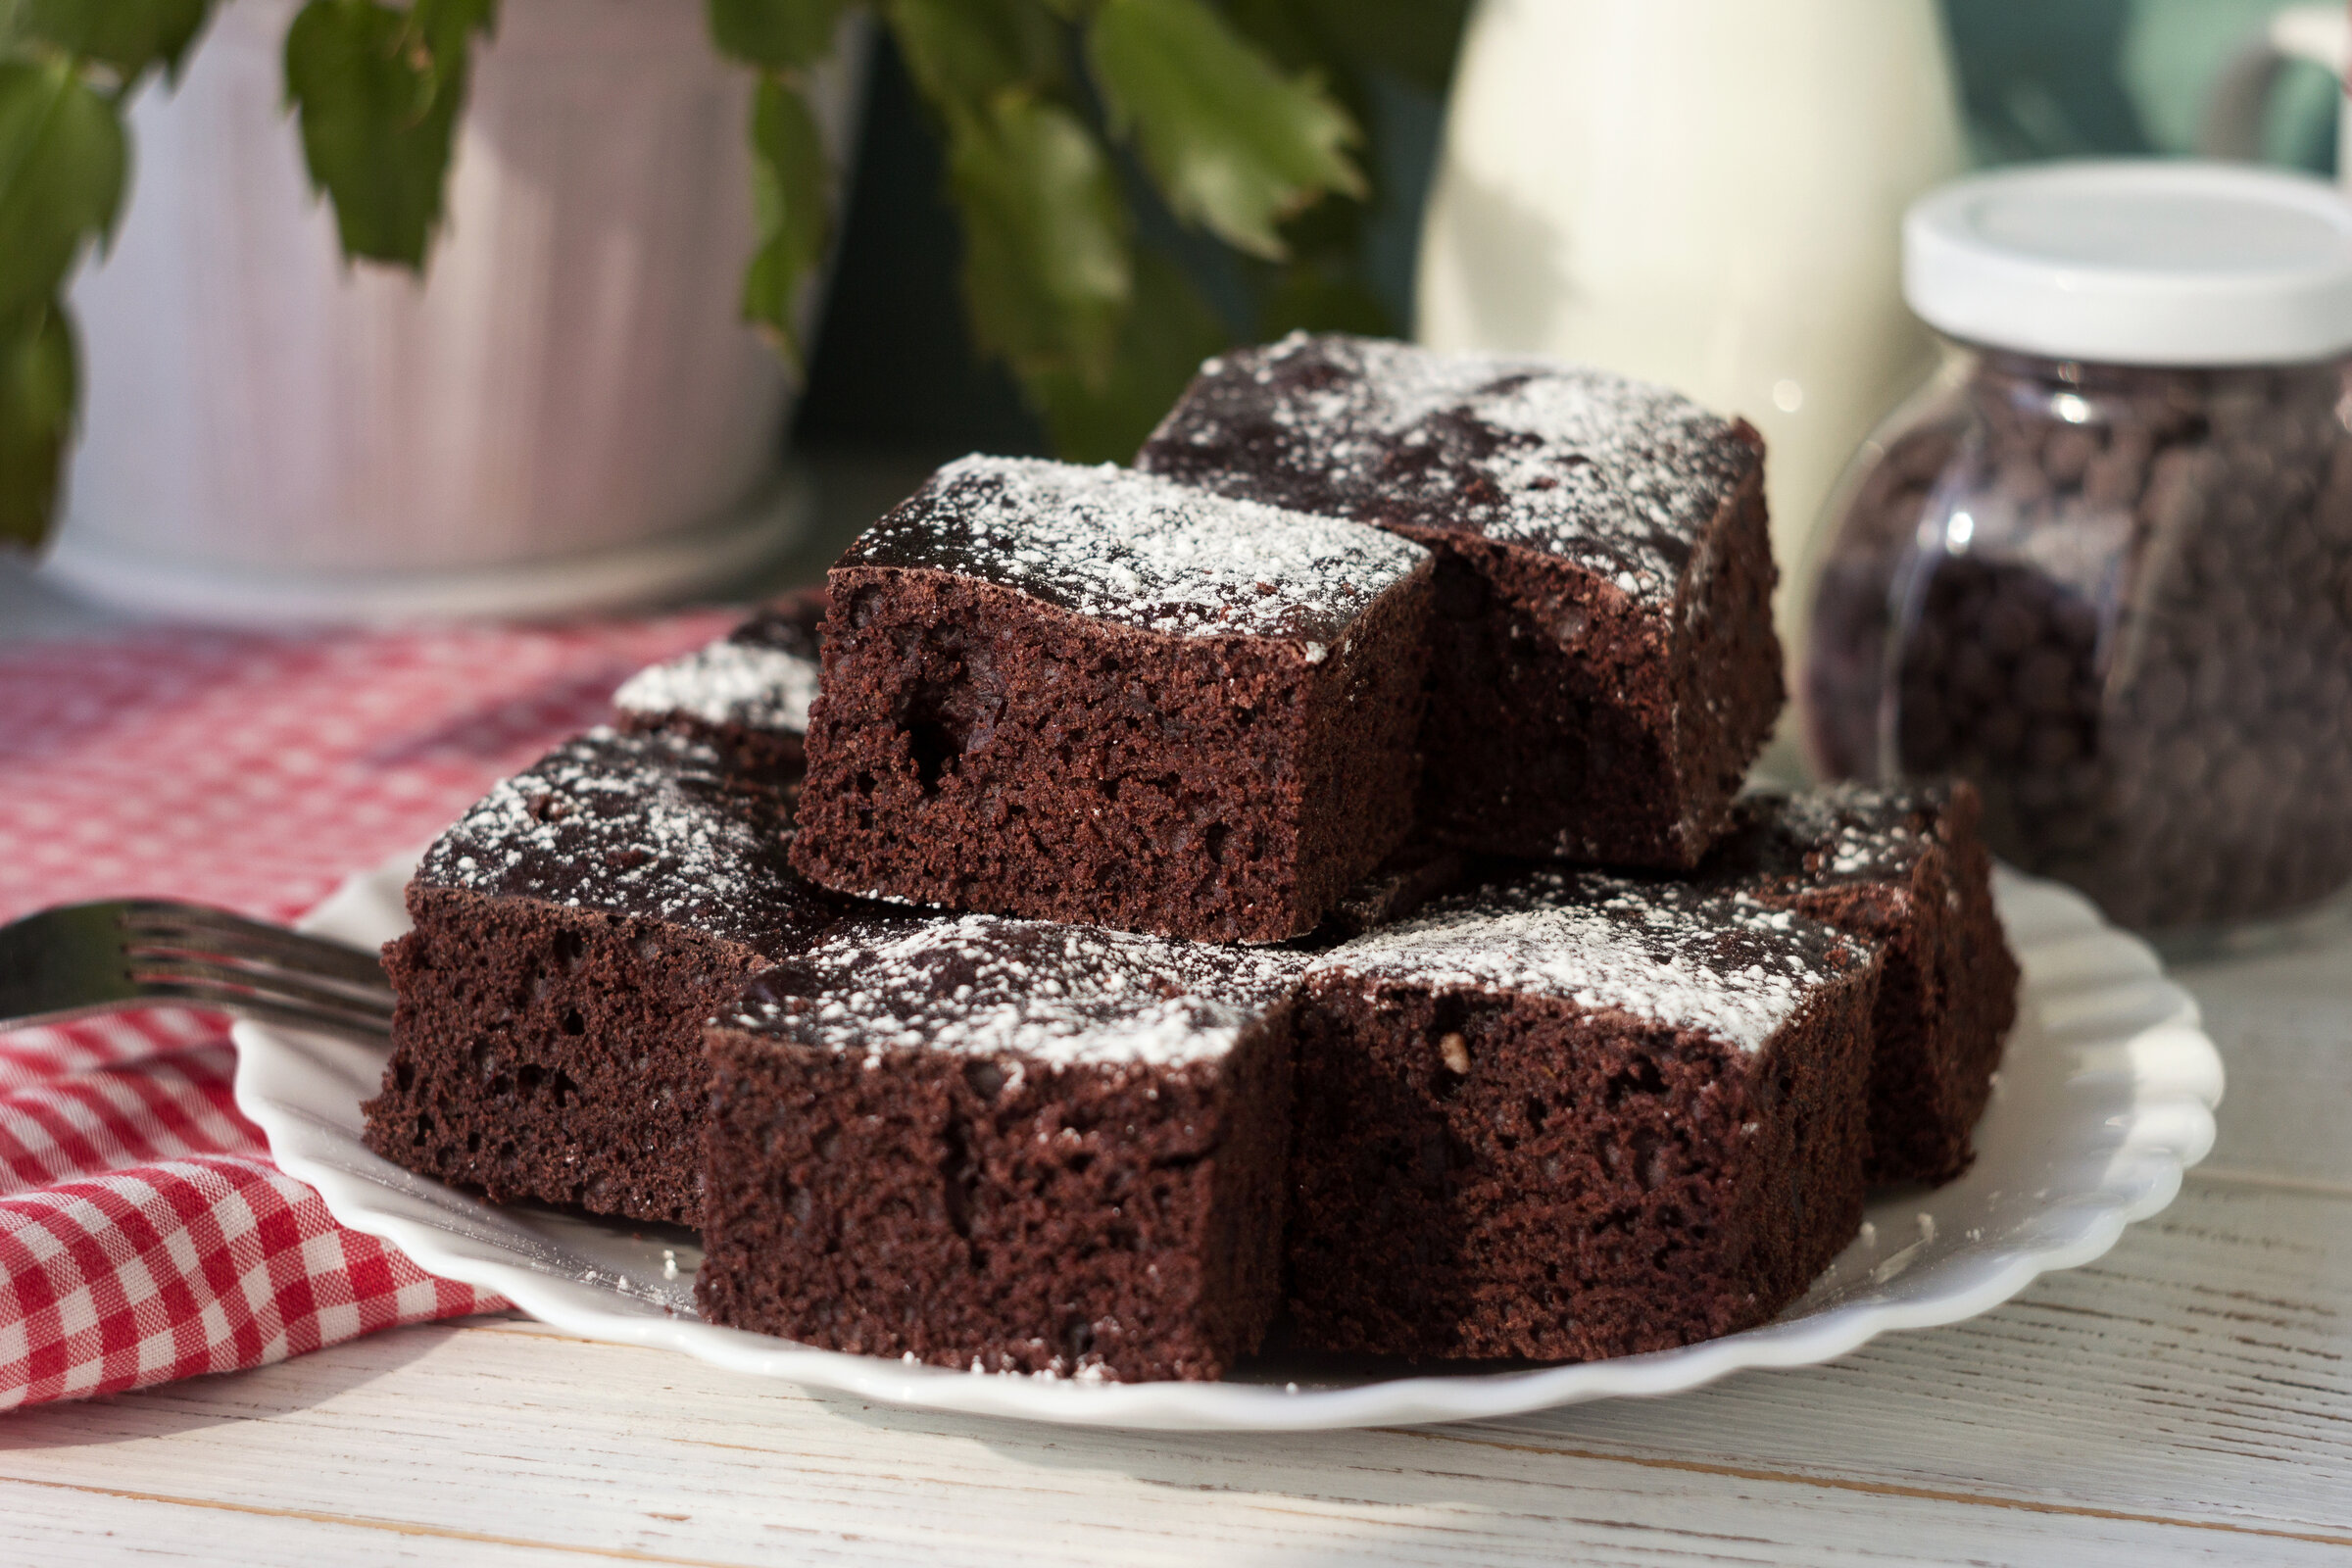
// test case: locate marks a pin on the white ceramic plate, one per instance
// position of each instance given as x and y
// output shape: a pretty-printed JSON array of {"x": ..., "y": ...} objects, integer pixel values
[{"x": 2105, "y": 1096}]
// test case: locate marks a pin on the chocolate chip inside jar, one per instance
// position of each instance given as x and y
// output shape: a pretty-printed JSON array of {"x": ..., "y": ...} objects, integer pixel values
[{"x": 2120, "y": 599}]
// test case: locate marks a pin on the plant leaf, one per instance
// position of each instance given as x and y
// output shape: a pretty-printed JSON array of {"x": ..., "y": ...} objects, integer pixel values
[
  {"x": 131, "y": 36},
  {"x": 792, "y": 206},
  {"x": 379, "y": 91},
  {"x": 448, "y": 27},
  {"x": 775, "y": 34},
  {"x": 63, "y": 163},
  {"x": 1169, "y": 329},
  {"x": 960, "y": 53},
  {"x": 1047, "y": 269},
  {"x": 38, "y": 385},
  {"x": 1232, "y": 143}
]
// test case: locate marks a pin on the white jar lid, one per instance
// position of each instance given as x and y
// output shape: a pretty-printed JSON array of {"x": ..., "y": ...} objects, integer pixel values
[{"x": 2144, "y": 261}]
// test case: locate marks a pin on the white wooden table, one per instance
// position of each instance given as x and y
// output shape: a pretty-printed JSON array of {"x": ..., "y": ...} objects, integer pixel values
[{"x": 2186, "y": 1398}]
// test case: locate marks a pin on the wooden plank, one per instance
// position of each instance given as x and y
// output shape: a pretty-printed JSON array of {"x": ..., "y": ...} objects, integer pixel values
[
  {"x": 2185, "y": 1400},
  {"x": 2283, "y": 1022},
  {"x": 65, "y": 1526},
  {"x": 2202, "y": 1369},
  {"x": 825, "y": 1483}
]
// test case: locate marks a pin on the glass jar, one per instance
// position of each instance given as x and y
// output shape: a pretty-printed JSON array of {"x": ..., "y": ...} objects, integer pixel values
[{"x": 2104, "y": 567}]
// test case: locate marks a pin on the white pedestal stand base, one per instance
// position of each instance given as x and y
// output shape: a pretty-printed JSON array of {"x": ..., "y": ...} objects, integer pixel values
[{"x": 680, "y": 565}]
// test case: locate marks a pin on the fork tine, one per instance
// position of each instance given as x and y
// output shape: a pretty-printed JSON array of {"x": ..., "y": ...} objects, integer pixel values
[
  {"x": 234, "y": 936},
  {"x": 74, "y": 960},
  {"x": 280, "y": 986},
  {"x": 170, "y": 958},
  {"x": 267, "y": 1009}
]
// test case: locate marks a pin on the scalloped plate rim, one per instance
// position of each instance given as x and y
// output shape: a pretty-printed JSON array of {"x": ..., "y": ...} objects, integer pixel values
[{"x": 2173, "y": 1073}]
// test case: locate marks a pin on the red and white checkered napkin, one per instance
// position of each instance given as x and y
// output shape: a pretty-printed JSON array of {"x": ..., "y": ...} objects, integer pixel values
[{"x": 144, "y": 1232}]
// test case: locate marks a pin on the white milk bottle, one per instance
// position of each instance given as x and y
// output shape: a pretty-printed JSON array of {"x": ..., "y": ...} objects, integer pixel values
[{"x": 1707, "y": 193}]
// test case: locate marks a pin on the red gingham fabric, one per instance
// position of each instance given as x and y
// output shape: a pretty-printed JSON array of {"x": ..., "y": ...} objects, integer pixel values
[{"x": 144, "y": 1232}]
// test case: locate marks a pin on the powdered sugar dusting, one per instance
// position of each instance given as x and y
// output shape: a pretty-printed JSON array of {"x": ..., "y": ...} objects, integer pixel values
[
  {"x": 1830, "y": 834},
  {"x": 726, "y": 682},
  {"x": 1126, "y": 547},
  {"x": 1720, "y": 963},
  {"x": 642, "y": 824},
  {"x": 985, "y": 986},
  {"x": 1858, "y": 829},
  {"x": 1618, "y": 475}
]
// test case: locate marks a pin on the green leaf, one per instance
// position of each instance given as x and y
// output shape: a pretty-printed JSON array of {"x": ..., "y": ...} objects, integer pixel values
[
  {"x": 63, "y": 163},
  {"x": 1232, "y": 143},
  {"x": 130, "y": 36},
  {"x": 379, "y": 91},
  {"x": 1168, "y": 331},
  {"x": 775, "y": 34},
  {"x": 792, "y": 206},
  {"x": 1047, "y": 267},
  {"x": 37, "y": 392},
  {"x": 961, "y": 53},
  {"x": 448, "y": 28}
]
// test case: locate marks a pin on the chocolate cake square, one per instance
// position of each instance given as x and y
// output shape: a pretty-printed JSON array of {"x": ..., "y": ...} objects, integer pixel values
[
  {"x": 1903, "y": 869},
  {"x": 748, "y": 693},
  {"x": 1006, "y": 1146},
  {"x": 1567, "y": 1115},
  {"x": 572, "y": 934},
  {"x": 1604, "y": 665},
  {"x": 1089, "y": 695}
]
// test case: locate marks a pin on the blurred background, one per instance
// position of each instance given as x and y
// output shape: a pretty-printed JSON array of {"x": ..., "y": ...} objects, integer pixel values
[
  {"x": 2036, "y": 80},
  {"x": 556, "y": 421}
]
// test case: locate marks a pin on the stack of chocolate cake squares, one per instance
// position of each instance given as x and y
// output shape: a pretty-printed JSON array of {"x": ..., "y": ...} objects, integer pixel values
[{"x": 1303, "y": 876}]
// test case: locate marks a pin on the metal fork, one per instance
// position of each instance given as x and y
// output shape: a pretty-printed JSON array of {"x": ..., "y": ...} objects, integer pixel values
[{"x": 146, "y": 952}]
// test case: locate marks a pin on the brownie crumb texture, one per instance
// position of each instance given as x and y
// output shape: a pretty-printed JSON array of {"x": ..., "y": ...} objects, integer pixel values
[
  {"x": 1572, "y": 1116},
  {"x": 570, "y": 934},
  {"x": 1210, "y": 974},
  {"x": 747, "y": 693},
  {"x": 1618, "y": 477},
  {"x": 1603, "y": 667},
  {"x": 1092, "y": 696},
  {"x": 725, "y": 682},
  {"x": 1905, "y": 868},
  {"x": 1130, "y": 549},
  {"x": 1004, "y": 1145}
]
